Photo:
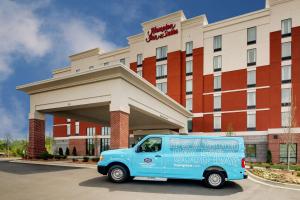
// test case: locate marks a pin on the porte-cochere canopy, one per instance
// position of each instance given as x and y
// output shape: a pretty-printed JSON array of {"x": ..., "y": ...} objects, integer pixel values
[{"x": 112, "y": 95}]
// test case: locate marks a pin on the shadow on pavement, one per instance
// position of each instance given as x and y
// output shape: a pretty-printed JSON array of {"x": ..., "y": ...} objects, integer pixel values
[
  {"x": 187, "y": 187},
  {"x": 23, "y": 169}
]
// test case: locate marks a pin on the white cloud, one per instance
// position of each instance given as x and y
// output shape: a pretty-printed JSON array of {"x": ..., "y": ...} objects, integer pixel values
[
  {"x": 13, "y": 119},
  {"x": 19, "y": 35},
  {"x": 80, "y": 35},
  {"x": 26, "y": 33}
]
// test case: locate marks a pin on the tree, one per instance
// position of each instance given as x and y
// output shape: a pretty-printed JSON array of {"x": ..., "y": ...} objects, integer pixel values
[
  {"x": 8, "y": 140},
  {"x": 229, "y": 130},
  {"x": 49, "y": 144},
  {"x": 290, "y": 123},
  {"x": 67, "y": 152},
  {"x": 74, "y": 152},
  {"x": 60, "y": 151}
]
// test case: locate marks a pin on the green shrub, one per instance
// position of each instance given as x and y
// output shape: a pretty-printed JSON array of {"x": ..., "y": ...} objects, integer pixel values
[
  {"x": 269, "y": 156},
  {"x": 58, "y": 157},
  {"x": 45, "y": 155},
  {"x": 60, "y": 151},
  {"x": 74, "y": 152},
  {"x": 74, "y": 159},
  {"x": 95, "y": 159},
  {"x": 67, "y": 153},
  {"x": 85, "y": 159}
]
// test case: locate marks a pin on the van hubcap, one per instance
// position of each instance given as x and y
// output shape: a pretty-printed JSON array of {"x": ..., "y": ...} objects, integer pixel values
[
  {"x": 214, "y": 179},
  {"x": 117, "y": 174}
]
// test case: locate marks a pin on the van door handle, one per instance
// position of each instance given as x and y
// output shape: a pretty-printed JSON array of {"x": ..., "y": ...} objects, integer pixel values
[{"x": 158, "y": 156}]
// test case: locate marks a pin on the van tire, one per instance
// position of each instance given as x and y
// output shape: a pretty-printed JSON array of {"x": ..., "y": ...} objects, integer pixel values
[
  {"x": 118, "y": 174},
  {"x": 214, "y": 179}
]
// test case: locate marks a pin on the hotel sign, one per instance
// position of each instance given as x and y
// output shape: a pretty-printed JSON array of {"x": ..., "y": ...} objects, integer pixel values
[{"x": 160, "y": 32}]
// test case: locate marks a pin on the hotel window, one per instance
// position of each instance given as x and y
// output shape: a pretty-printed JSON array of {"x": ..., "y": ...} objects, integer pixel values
[
  {"x": 189, "y": 67},
  {"x": 105, "y": 141},
  {"x": 91, "y": 67},
  {"x": 77, "y": 128},
  {"x": 189, "y": 104},
  {"x": 286, "y": 27},
  {"x": 189, "y": 48},
  {"x": 189, "y": 86},
  {"x": 251, "y": 121},
  {"x": 122, "y": 61},
  {"x": 217, "y": 83},
  {"x": 285, "y": 96},
  {"x": 162, "y": 87},
  {"x": 91, "y": 141},
  {"x": 251, "y": 100},
  {"x": 217, "y": 43},
  {"x": 217, "y": 103},
  {"x": 286, "y": 51},
  {"x": 250, "y": 150},
  {"x": 284, "y": 152},
  {"x": 139, "y": 71},
  {"x": 68, "y": 129},
  {"x": 139, "y": 59},
  {"x": 190, "y": 126},
  {"x": 251, "y": 57},
  {"x": 286, "y": 75},
  {"x": 105, "y": 130},
  {"x": 251, "y": 35},
  {"x": 161, "y": 71},
  {"x": 217, "y": 62},
  {"x": 285, "y": 119},
  {"x": 106, "y": 64},
  {"x": 251, "y": 78},
  {"x": 161, "y": 53},
  {"x": 217, "y": 123}
]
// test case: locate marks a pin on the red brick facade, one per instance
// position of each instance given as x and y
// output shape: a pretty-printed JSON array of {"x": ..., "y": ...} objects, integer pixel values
[
  {"x": 274, "y": 142},
  {"x": 80, "y": 145},
  {"x": 36, "y": 138},
  {"x": 119, "y": 123}
]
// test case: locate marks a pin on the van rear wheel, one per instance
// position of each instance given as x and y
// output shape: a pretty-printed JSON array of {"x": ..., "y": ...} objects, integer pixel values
[
  {"x": 214, "y": 179},
  {"x": 118, "y": 174}
]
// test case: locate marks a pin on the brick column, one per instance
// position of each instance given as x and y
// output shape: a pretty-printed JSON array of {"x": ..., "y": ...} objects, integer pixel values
[
  {"x": 36, "y": 138},
  {"x": 119, "y": 122}
]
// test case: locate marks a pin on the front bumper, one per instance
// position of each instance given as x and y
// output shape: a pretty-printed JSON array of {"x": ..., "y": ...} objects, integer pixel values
[{"x": 102, "y": 169}]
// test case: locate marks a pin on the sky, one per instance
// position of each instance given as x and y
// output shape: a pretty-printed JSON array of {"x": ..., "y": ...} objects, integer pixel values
[{"x": 38, "y": 36}]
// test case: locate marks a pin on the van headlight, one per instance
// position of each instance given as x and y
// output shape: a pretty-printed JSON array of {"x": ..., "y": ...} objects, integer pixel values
[{"x": 101, "y": 158}]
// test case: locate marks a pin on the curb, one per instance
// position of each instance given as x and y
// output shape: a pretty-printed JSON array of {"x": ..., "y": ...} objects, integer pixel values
[
  {"x": 270, "y": 183},
  {"x": 55, "y": 164}
]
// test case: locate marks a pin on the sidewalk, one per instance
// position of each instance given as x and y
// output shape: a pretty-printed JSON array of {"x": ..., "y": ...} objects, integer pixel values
[{"x": 55, "y": 163}]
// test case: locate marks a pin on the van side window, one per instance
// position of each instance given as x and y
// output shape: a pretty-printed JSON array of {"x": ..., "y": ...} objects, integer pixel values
[{"x": 152, "y": 144}]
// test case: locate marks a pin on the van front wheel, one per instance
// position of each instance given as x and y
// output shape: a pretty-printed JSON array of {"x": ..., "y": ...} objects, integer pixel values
[
  {"x": 214, "y": 179},
  {"x": 118, "y": 174}
]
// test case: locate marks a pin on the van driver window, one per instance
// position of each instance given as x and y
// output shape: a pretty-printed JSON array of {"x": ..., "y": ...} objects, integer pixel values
[{"x": 151, "y": 145}]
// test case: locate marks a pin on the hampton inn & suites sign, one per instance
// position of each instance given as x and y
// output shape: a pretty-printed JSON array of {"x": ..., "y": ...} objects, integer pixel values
[{"x": 158, "y": 32}]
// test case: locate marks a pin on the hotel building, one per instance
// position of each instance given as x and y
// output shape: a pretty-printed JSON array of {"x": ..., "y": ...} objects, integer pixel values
[{"x": 239, "y": 76}]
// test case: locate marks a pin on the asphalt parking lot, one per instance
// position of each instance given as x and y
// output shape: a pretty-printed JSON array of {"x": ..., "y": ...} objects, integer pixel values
[{"x": 27, "y": 181}]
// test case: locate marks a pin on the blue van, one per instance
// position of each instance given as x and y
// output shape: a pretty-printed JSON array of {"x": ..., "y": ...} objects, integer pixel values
[{"x": 210, "y": 158}]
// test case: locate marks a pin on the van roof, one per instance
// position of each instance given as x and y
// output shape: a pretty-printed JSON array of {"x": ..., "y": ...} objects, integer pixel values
[{"x": 196, "y": 136}]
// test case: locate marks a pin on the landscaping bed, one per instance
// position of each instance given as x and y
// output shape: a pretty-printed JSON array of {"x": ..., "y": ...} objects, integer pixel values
[{"x": 277, "y": 173}]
